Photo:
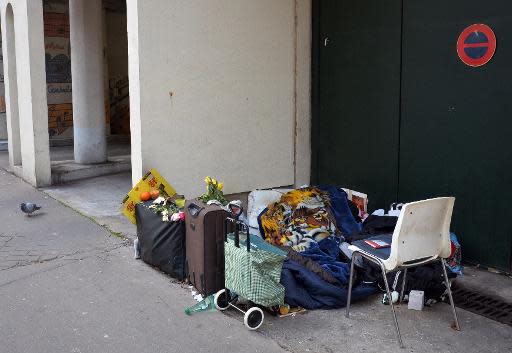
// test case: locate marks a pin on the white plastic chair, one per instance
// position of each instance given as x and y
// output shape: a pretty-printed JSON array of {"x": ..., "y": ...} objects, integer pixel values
[{"x": 422, "y": 235}]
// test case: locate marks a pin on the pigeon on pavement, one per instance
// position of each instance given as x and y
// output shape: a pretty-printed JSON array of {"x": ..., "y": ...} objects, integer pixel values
[{"x": 29, "y": 208}]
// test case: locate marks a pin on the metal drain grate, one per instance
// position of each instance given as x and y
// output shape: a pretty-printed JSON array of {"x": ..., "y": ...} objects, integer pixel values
[{"x": 490, "y": 307}]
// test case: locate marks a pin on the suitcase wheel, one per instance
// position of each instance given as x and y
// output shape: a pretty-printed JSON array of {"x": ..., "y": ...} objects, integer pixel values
[
  {"x": 253, "y": 318},
  {"x": 221, "y": 300}
]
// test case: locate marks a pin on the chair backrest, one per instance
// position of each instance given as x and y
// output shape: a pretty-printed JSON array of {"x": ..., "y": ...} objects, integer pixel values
[{"x": 422, "y": 232}]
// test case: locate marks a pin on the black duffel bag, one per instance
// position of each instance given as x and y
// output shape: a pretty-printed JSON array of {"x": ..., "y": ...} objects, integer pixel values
[{"x": 161, "y": 244}]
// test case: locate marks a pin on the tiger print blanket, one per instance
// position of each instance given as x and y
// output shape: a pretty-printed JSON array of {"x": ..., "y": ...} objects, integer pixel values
[{"x": 300, "y": 217}]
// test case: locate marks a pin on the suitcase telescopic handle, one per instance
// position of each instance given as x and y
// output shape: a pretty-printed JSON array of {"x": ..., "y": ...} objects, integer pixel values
[
  {"x": 228, "y": 226},
  {"x": 238, "y": 227},
  {"x": 244, "y": 228},
  {"x": 194, "y": 210}
]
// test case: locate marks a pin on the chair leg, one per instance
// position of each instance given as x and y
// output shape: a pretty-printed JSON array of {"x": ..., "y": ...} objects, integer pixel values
[
  {"x": 447, "y": 283},
  {"x": 403, "y": 286},
  {"x": 347, "y": 314},
  {"x": 392, "y": 306}
]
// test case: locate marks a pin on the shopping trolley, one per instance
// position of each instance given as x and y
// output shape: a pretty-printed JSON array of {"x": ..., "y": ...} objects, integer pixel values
[{"x": 252, "y": 272}]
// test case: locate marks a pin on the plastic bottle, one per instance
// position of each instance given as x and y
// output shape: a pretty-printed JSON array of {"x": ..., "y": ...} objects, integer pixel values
[{"x": 207, "y": 304}]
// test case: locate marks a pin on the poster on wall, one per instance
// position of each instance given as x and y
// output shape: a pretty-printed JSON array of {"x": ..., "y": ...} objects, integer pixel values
[
  {"x": 56, "y": 6},
  {"x": 60, "y": 118},
  {"x": 55, "y": 46},
  {"x": 119, "y": 106},
  {"x": 56, "y": 24},
  {"x": 59, "y": 93},
  {"x": 58, "y": 68}
]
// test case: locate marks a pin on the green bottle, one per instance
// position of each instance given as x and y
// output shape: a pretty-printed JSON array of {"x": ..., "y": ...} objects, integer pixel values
[{"x": 207, "y": 304}]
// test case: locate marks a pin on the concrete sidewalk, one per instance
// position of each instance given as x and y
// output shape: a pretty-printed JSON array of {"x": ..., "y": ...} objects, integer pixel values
[
  {"x": 68, "y": 285},
  {"x": 100, "y": 199}
]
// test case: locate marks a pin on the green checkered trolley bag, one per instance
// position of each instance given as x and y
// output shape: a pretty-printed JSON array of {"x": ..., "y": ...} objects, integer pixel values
[{"x": 252, "y": 271}]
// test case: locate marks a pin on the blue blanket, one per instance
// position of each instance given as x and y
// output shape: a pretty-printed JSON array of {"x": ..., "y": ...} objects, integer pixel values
[
  {"x": 306, "y": 289},
  {"x": 326, "y": 253},
  {"x": 339, "y": 207}
]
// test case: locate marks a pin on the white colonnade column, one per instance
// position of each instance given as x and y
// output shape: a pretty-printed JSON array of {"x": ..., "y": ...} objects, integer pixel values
[{"x": 89, "y": 125}]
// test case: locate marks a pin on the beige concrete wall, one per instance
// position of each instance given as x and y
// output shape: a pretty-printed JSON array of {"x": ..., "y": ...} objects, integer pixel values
[
  {"x": 132, "y": 18},
  {"x": 220, "y": 88},
  {"x": 303, "y": 93}
]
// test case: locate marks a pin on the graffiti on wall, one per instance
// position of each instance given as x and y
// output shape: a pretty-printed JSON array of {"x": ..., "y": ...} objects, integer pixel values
[
  {"x": 58, "y": 67},
  {"x": 58, "y": 71},
  {"x": 56, "y": 6},
  {"x": 56, "y": 24},
  {"x": 60, "y": 117},
  {"x": 58, "y": 62},
  {"x": 119, "y": 106}
]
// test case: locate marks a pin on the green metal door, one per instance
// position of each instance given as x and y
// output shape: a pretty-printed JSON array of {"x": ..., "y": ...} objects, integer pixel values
[
  {"x": 456, "y": 126},
  {"x": 399, "y": 116},
  {"x": 355, "y": 132}
]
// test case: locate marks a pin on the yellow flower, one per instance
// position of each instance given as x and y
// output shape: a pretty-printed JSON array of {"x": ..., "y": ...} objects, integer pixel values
[
  {"x": 214, "y": 182},
  {"x": 207, "y": 180},
  {"x": 220, "y": 186}
]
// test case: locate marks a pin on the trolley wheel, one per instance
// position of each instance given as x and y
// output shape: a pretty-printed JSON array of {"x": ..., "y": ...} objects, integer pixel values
[
  {"x": 253, "y": 318},
  {"x": 221, "y": 300}
]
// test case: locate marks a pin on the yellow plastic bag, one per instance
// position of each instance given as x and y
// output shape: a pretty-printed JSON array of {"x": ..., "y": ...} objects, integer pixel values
[{"x": 151, "y": 181}]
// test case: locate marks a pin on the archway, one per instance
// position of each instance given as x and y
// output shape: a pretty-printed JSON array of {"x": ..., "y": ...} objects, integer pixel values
[{"x": 11, "y": 90}]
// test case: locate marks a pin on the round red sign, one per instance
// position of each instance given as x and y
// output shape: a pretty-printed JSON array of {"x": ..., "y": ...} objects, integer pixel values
[{"x": 476, "y": 45}]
